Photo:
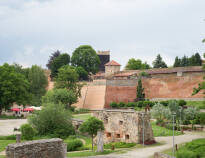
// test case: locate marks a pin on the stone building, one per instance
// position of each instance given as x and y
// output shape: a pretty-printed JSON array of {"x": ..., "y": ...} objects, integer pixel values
[
  {"x": 125, "y": 126},
  {"x": 112, "y": 67},
  {"x": 104, "y": 58}
]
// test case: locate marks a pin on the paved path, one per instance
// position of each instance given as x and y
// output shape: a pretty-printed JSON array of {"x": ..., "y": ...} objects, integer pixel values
[
  {"x": 149, "y": 151},
  {"x": 7, "y": 126}
]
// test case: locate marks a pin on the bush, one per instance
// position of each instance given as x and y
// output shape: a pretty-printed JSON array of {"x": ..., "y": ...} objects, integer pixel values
[
  {"x": 119, "y": 145},
  {"x": 182, "y": 102},
  {"x": 10, "y": 137},
  {"x": 27, "y": 132},
  {"x": 114, "y": 105},
  {"x": 53, "y": 120},
  {"x": 73, "y": 145},
  {"x": 131, "y": 104},
  {"x": 164, "y": 102},
  {"x": 121, "y": 105},
  {"x": 186, "y": 154}
]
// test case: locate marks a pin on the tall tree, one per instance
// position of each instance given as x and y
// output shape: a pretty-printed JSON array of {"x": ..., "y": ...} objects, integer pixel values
[
  {"x": 136, "y": 64},
  {"x": 52, "y": 57},
  {"x": 13, "y": 87},
  {"x": 159, "y": 63},
  {"x": 86, "y": 57},
  {"x": 83, "y": 75},
  {"x": 177, "y": 62},
  {"x": 198, "y": 60},
  {"x": 68, "y": 78},
  {"x": 38, "y": 83},
  {"x": 185, "y": 61},
  {"x": 92, "y": 126},
  {"x": 58, "y": 62},
  {"x": 140, "y": 91}
]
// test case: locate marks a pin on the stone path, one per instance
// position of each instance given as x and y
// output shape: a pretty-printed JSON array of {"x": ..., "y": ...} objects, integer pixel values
[
  {"x": 7, "y": 126},
  {"x": 149, "y": 151}
]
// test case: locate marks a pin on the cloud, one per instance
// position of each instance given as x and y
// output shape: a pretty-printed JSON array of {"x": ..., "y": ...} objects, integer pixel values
[{"x": 32, "y": 29}]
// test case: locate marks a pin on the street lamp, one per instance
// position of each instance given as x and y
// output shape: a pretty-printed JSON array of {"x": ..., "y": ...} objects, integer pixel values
[{"x": 173, "y": 150}]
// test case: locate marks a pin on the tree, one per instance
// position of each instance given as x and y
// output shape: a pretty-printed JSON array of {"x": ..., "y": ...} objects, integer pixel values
[
  {"x": 38, "y": 83},
  {"x": 58, "y": 62},
  {"x": 92, "y": 126},
  {"x": 13, "y": 87},
  {"x": 136, "y": 64},
  {"x": 52, "y": 57},
  {"x": 86, "y": 57},
  {"x": 140, "y": 91},
  {"x": 83, "y": 75},
  {"x": 159, "y": 63},
  {"x": 52, "y": 120},
  {"x": 68, "y": 78},
  {"x": 177, "y": 62},
  {"x": 60, "y": 96},
  {"x": 185, "y": 61}
]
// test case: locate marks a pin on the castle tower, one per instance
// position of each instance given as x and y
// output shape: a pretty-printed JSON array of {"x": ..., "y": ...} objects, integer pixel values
[
  {"x": 104, "y": 58},
  {"x": 111, "y": 68}
]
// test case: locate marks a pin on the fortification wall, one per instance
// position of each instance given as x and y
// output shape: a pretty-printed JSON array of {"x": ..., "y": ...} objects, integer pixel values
[{"x": 156, "y": 87}]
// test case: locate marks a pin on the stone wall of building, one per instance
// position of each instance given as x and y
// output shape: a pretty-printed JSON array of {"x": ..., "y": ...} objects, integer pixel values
[
  {"x": 47, "y": 148},
  {"x": 156, "y": 87},
  {"x": 125, "y": 126}
]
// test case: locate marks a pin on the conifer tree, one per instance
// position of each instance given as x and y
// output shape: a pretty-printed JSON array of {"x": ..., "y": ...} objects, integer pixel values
[
  {"x": 177, "y": 62},
  {"x": 140, "y": 91},
  {"x": 159, "y": 63}
]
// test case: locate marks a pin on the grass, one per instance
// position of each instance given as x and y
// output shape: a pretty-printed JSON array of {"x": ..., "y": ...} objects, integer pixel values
[
  {"x": 5, "y": 117},
  {"x": 83, "y": 117},
  {"x": 5, "y": 143},
  {"x": 1, "y": 156},
  {"x": 197, "y": 104},
  {"x": 89, "y": 153},
  {"x": 162, "y": 131}
]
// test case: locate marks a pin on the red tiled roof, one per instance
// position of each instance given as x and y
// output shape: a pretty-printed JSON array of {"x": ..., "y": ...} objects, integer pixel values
[{"x": 112, "y": 63}]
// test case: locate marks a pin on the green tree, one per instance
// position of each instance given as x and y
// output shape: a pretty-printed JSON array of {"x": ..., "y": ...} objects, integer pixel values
[
  {"x": 177, "y": 62},
  {"x": 83, "y": 75},
  {"x": 159, "y": 63},
  {"x": 140, "y": 91},
  {"x": 13, "y": 87},
  {"x": 184, "y": 61},
  {"x": 136, "y": 64},
  {"x": 58, "y": 62},
  {"x": 68, "y": 78},
  {"x": 38, "y": 83},
  {"x": 57, "y": 96},
  {"x": 52, "y": 120},
  {"x": 86, "y": 57},
  {"x": 52, "y": 57},
  {"x": 92, "y": 126}
]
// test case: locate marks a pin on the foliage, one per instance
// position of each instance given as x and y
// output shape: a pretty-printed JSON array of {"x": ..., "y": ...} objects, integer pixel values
[
  {"x": 27, "y": 131},
  {"x": 83, "y": 74},
  {"x": 52, "y": 57},
  {"x": 13, "y": 87},
  {"x": 193, "y": 149},
  {"x": 136, "y": 64},
  {"x": 81, "y": 111},
  {"x": 83, "y": 117},
  {"x": 197, "y": 104},
  {"x": 190, "y": 113},
  {"x": 182, "y": 102},
  {"x": 9, "y": 137},
  {"x": 119, "y": 145},
  {"x": 38, "y": 83},
  {"x": 68, "y": 78},
  {"x": 194, "y": 60},
  {"x": 86, "y": 57},
  {"x": 92, "y": 126},
  {"x": 57, "y": 96},
  {"x": 140, "y": 91},
  {"x": 58, "y": 62},
  {"x": 89, "y": 153},
  {"x": 5, "y": 117},
  {"x": 159, "y": 63},
  {"x": 139, "y": 104},
  {"x": 160, "y": 112},
  {"x": 74, "y": 144},
  {"x": 52, "y": 120}
]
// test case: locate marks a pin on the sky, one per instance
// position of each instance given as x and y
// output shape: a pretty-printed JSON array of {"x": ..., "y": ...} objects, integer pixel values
[{"x": 30, "y": 30}]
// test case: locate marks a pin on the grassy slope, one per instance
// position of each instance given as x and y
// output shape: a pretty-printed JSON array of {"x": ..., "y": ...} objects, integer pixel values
[{"x": 83, "y": 117}]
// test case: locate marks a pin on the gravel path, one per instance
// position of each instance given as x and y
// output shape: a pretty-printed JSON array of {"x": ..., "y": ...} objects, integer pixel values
[
  {"x": 149, "y": 151},
  {"x": 7, "y": 126}
]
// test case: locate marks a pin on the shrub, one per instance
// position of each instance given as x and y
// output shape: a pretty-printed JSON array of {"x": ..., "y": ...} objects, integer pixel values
[
  {"x": 182, "y": 102},
  {"x": 131, "y": 104},
  {"x": 10, "y": 137},
  {"x": 114, "y": 105},
  {"x": 121, "y": 104},
  {"x": 119, "y": 145},
  {"x": 53, "y": 120},
  {"x": 185, "y": 154},
  {"x": 73, "y": 145},
  {"x": 164, "y": 102},
  {"x": 27, "y": 132}
]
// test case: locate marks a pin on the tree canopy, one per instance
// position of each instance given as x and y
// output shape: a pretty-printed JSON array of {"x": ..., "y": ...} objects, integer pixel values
[
  {"x": 140, "y": 91},
  {"x": 136, "y": 64},
  {"x": 13, "y": 87},
  {"x": 159, "y": 63},
  {"x": 52, "y": 57},
  {"x": 86, "y": 57}
]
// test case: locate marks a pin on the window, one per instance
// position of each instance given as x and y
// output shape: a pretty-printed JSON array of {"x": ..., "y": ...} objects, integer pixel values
[
  {"x": 127, "y": 136},
  {"x": 108, "y": 134},
  {"x": 117, "y": 135},
  {"x": 120, "y": 122}
]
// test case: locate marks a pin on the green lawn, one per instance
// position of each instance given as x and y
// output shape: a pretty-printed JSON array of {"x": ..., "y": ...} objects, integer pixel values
[
  {"x": 162, "y": 131},
  {"x": 4, "y": 143},
  {"x": 1, "y": 156},
  {"x": 88, "y": 153},
  {"x": 197, "y": 104},
  {"x": 83, "y": 117}
]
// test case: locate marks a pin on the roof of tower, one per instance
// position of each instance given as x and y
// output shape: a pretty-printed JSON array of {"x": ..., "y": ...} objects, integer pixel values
[{"x": 112, "y": 63}]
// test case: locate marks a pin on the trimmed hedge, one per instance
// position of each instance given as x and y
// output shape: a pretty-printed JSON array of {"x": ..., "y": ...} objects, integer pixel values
[{"x": 74, "y": 145}]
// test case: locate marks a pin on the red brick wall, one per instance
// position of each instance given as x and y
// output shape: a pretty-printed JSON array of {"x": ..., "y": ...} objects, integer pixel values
[{"x": 159, "y": 86}]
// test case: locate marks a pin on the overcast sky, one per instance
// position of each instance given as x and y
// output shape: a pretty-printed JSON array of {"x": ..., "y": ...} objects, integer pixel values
[{"x": 30, "y": 30}]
